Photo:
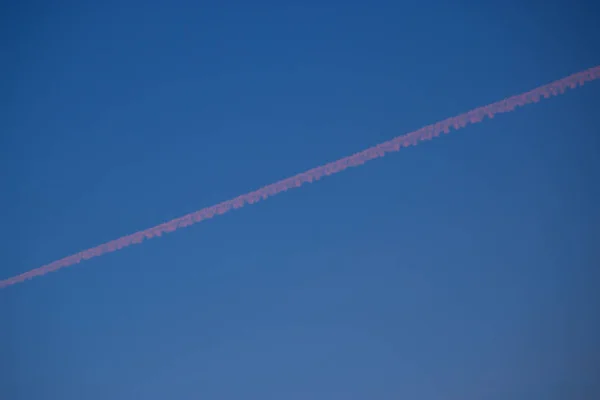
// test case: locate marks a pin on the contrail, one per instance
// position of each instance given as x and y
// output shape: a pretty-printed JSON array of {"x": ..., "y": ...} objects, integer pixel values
[{"x": 380, "y": 150}]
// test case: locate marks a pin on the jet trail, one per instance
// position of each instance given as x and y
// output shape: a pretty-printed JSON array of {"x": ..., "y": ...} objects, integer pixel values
[{"x": 380, "y": 150}]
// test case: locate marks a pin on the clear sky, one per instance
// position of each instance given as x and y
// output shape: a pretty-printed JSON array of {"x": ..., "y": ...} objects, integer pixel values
[{"x": 462, "y": 268}]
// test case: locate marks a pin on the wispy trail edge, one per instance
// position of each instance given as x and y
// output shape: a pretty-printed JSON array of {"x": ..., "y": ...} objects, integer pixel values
[{"x": 380, "y": 150}]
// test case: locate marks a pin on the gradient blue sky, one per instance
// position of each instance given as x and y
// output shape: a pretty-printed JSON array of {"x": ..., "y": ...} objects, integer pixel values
[{"x": 463, "y": 268}]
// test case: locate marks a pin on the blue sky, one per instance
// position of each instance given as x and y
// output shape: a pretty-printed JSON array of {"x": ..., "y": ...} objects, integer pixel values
[{"x": 463, "y": 268}]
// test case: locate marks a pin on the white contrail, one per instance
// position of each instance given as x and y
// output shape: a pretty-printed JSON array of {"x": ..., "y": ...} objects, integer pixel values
[{"x": 425, "y": 133}]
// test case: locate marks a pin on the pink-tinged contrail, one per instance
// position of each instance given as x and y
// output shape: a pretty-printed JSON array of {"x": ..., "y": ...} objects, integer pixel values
[{"x": 425, "y": 133}]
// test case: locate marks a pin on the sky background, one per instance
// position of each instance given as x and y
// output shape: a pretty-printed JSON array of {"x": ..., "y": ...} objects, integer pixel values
[{"x": 462, "y": 268}]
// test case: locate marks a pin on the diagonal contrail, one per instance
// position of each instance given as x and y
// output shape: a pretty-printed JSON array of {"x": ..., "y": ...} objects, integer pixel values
[{"x": 425, "y": 133}]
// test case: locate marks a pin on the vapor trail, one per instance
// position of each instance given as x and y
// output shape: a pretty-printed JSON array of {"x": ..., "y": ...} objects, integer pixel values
[{"x": 425, "y": 133}]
